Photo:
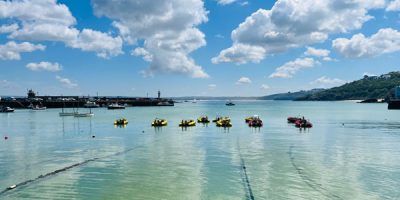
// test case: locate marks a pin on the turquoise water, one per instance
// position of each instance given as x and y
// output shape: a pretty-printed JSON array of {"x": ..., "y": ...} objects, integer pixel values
[{"x": 352, "y": 152}]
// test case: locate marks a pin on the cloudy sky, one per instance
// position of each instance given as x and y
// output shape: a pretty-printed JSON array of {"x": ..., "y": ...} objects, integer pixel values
[{"x": 193, "y": 47}]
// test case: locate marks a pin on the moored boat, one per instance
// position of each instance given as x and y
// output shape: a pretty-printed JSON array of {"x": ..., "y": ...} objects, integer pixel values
[
  {"x": 229, "y": 103},
  {"x": 121, "y": 121},
  {"x": 203, "y": 119},
  {"x": 115, "y": 106},
  {"x": 293, "y": 120},
  {"x": 84, "y": 114},
  {"x": 302, "y": 123},
  {"x": 225, "y": 122},
  {"x": 6, "y": 110},
  {"x": 187, "y": 123},
  {"x": 159, "y": 122},
  {"x": 91, "y": 104}
]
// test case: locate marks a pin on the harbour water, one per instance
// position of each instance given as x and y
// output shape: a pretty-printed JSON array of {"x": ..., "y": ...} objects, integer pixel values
[{"x": 352, "y": 152}]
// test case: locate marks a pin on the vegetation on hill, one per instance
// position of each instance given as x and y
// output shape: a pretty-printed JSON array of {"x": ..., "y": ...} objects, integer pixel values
[
  {"x": 370, "y": 87},
  {"x": 290, "y": 95}
]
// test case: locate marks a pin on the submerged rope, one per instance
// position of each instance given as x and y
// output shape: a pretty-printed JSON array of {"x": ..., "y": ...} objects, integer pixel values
[
  {"x": 245, "y": 177},
  {"x": 310, "y": 182},
  {"x": 43, "y": 176}
]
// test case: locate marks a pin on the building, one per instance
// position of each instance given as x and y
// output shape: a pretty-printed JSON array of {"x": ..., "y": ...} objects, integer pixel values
[{"x": 397, "y": 92}]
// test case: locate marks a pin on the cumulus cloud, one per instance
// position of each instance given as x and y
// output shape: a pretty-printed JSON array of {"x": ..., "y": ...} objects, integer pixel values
[
  {"x": 328, "y": 82},
  {"x": 12, "y": 50},
  {"x": 8, "y": 28},
  {"x": 44, "y": 66},
  {"x": 225, "y": 2},
  {"x": 47, "y": 20},
  {"x": 66, "y": 82},
  {"x": 291, "y": 68},
  {"x": 359, "y": 46},
  {"x": 393, "y": 6},
  {"x": 317, "y": 52},
  {"x": 292, "y": 23},
  {"x": 243, "y": 80},
  {"x": 168, "y": 29},
  {"x": 265, "y": 87}
]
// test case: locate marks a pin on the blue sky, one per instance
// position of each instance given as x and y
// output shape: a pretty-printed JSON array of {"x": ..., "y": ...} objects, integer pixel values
[{"x": 193, "y": 47}]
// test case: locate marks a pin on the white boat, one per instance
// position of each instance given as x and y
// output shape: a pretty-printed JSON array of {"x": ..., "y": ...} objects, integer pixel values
[
  {"x": 194, "y": 101},
  {"x": 37, "y": 107},
  {"x": 6, "y": 110},
  {"x": 84, "y": 114},
  {"x": 91, "y": 104},
  {"x": 115, "y": 106},
  {"x": 165, "y": 103}
]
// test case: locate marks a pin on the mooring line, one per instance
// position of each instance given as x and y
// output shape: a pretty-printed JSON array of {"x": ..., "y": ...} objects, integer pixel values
[
  {"x": 310, "y": 182},
  {"x": 30, "y": 181},
  {"x": 245, "y": 177}
]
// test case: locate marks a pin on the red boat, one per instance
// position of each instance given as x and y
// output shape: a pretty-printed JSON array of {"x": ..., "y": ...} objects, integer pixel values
[
  {"x": 293, "y": 120},
  {"x": 303, "y": 124},
  {"x": 255, "y": 123}
]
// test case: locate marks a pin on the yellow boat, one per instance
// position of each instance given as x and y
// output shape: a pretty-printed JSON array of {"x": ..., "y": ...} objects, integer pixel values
[
  {"x": 221, "y": 118},
  {"x": 121, "y": 121},
  {"x": 186, "y": 123},
  {"x": 224, "y": 123},
  {"x": 203, "y": 119},
  {"x": 159, "y": 122}
]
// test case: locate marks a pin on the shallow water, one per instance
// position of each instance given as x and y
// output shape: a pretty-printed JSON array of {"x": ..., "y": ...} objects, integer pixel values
[{"x": 352, "y": 152}]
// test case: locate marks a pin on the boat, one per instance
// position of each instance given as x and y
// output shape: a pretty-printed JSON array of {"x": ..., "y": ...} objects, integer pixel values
[
  {"x": 66, "y": 114},
  {"x": 303, "y": 124},
  {"x": 6, "y": 110},
  {"x": 186, "y": 123},
  {"x": 84, "y": 114},
  {"x": 115, "y": 106},
  {"x": 224, "y": 123},
  {"x": 218, "y": 118},
  {"x": 121, "y": 121},
  {"x": 165, "y": 103},
  {"x": 194, "y": 101},
  {"x": 91, "y": 104},
  {"x": 229, "y": 103},
  {"x": 37, "y": 107},
  {"x": 159, "y": 122},
  {"x": 248, "y": 119},
  {"x": 293, "y": 120},
  {"x": 256, "y": 122},
  {"x": 203, "y": 119}
]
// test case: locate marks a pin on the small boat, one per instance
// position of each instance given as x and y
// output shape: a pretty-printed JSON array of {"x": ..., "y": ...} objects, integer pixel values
[
  {"x": 159, "y": 122},
  {"x": 91, "y": 104},
  {"x": 203, "y": 119},
  {"x": 229, "y": 103},
  {"x": 186, "y": 123},
  {"x": 165, "y": 103},
  {"x": 218, "y": 118},
  {"x": 248, "y": 119},
  {"x": 67, "y": 114},
  {"x": 6, "y": 110},
  {"x": 257, "y": 122},
  {"x": 224, "y": 123},
  {"x": 293, "y": 120},
  {"x": 84, "y": 114},
  {"x": 115, "y": 106},
  {"x": 121, "y": 121},
  {"x": 303, "y": 124},
  {"x": 37, "y": 107}
]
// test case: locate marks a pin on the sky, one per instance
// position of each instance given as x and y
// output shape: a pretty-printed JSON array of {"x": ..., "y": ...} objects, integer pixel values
[{"x": 193, "y": 47}]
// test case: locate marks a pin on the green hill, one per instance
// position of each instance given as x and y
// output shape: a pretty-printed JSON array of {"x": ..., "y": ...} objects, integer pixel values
[
  {"x": 370, "y": 87},
  {"x": 290, "y": 95}
]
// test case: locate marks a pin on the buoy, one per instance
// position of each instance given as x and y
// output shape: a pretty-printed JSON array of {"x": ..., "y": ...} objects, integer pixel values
[
  {"x": 5, "y": 137},
  {"x": 142, "y": 131},
  {"x": 93, "y": 136}
]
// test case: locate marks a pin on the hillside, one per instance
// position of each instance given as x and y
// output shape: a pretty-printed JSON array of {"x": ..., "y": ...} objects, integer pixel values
[
  {"x": 370, "y": 87},
  {"x": 290, "y": 95}
]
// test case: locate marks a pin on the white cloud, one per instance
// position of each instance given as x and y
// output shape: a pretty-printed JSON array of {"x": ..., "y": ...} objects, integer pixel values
[
  {"x": 66, "y": 82},
  {"x": 243, "y": 80},
  {"x": 219, "y": 36},
  {"x": 44, "y": 66},
  {"x": 12, "y": 50},
  {"x": 393, "y": 6},
  {"x": 384, "y": 41},
  {"x": 317, "y": 52},
  {"x": 225, "y": 2},
  {"x": 265, "y": 87},
  {"x": 291, "y": 68},
  {"x": 46, "y": 20},
  {"x": 240, "y": 54},
  {"x": 328, "y": 82},
  {"x": 244, "y": 3},
  {"x": 293, "y": 23},
  {"x": 212, "y": 86},
  {"x": 168, "y": 29},
  {"x": 8, "y": 28}
]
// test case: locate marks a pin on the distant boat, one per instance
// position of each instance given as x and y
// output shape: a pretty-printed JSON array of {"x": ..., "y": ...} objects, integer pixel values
[
  {"x": 36, "y": 107},
  {"x": 91, "y": 104},
  {"x": 194, "y": 101},
  {"x": 66, "y": 114},
  {"x": 165, "y": 103},
  {"x": 115, "y": 106},
  {"x": 229, "y": 103},
  {"x": 84, "y": 114},
  {"x": 6, "y": 110}
]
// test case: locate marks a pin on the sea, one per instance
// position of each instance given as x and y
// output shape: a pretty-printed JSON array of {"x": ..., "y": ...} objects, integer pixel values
[{"x": 351, "y": 152}]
